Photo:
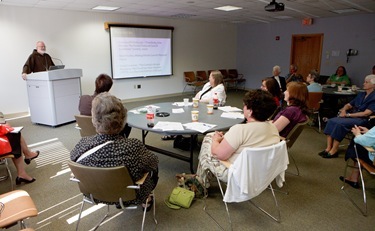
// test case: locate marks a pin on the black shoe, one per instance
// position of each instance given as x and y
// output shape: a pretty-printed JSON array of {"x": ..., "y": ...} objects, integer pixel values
[
  {"x": 28, "y": 160},
  {"x": 168, "y": 137},
  {"x": 118, "y": 206},
  {"x": 19, "y": 180},
  {"x": 351, "y": 183},
  {"x": 323, "y": 153},
  {"x": 329, "y": 156},
  {"x": 149, "y": 205}
]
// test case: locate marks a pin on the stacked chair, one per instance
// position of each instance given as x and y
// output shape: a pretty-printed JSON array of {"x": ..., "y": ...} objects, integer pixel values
[
  {"x": 192, "y": 81},
  {"x": 231, "y": 77}
]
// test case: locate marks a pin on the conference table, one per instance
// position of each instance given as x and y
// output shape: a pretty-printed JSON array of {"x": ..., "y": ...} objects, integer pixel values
[
  {"x": 137, "y": 119},
  {"x": 333, "y": 100}
]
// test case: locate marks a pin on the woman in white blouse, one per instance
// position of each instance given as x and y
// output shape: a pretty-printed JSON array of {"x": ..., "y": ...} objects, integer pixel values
[{"x": 215, "y": 85}]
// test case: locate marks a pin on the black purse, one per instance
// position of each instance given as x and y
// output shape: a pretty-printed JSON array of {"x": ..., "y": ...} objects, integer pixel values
[{"x": 183, "y": 143}]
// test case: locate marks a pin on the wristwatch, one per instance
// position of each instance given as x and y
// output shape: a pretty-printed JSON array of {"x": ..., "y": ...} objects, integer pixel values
[{"x": 347, "y": 114}]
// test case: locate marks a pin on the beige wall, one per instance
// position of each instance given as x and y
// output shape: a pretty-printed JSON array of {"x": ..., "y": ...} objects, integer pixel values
[{"x": 80, "y": 41}]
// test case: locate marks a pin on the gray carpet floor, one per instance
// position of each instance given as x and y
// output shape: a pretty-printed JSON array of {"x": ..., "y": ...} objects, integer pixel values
[{"x": 315, "y": 200}]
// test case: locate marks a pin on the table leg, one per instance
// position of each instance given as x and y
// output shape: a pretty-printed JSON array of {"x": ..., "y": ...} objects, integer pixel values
[{"x": 172, "y": 154}]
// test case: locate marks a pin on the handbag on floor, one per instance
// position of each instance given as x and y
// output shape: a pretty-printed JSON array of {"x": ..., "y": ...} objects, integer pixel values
[
  {"x": 184, "y": 143},
  {"x": 191, "y": 182},
  {"x": 180, "y": 197}
]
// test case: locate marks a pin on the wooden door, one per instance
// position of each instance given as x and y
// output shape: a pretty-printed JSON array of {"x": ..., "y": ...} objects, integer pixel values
[{"x": 306, "y": 52}]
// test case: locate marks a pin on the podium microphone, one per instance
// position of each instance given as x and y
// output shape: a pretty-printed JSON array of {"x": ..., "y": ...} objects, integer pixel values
[{"x": 58, "y": 60}]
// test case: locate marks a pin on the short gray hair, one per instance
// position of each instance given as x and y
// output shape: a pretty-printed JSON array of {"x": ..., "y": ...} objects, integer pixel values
[
  {"x": 276, "y": 68},
  {"x": 371, "y": 78},
  {"x": 315, "y": 75},
  {"x": 108, "y": 114}
]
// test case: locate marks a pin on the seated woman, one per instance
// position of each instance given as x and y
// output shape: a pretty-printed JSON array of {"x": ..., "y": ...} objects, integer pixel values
[
  {"x": 103, "y": 83},
  {"x": 340, "y": 77},
  {"x": 109, "y": 117},
  {"x": 214, "y": 86},
  {"x": 295, "y": 96},
  {"x": 19, "y": 147},
  {"x": 363, "y": 137},
  {"x": 272, "y": 86},
  {"x": 256, "y": 132},
  {"x": 206, "y": 95},
  {"x": 354, "y": 113},
  {"x": 311, "y": 80}
]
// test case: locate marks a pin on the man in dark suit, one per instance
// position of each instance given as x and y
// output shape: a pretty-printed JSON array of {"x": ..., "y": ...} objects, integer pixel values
[{"x": 281, "y": 80}]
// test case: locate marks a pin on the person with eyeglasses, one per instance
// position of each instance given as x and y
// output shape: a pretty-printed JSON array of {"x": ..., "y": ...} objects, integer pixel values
[{"x": 38, "y": 61}]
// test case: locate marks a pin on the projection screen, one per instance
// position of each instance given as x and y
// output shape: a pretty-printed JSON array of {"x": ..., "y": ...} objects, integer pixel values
[{"x": 140, "y": 51}]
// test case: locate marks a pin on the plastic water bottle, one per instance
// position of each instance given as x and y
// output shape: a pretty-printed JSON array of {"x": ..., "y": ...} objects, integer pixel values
[
  {"x": 215, "y": 101},
  {"x": 150, "y": 116}
]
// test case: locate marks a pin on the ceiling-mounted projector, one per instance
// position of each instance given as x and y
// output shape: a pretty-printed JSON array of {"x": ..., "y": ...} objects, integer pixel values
[{"x": 274, "y": 6}]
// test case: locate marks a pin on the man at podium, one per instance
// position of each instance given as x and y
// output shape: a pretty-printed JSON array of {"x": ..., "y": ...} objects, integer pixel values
[{"x": 38, "y": 61}]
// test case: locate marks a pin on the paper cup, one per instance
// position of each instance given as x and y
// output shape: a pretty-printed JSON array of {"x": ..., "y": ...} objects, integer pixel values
[
  {"x": 186, "y": 102},
  {"x": 195, "y": 102},
  {"x": 210, "y": 109},
  {"x": 194, "y": 116},
  {"x": 339, "y": 88}
]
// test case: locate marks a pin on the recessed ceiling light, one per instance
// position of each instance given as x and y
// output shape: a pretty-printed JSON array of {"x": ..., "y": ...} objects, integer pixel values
[
  {"x": 228, "y": 8},
  {"x": 106, "y": 8},
  {"x": 343, "y": 11}
]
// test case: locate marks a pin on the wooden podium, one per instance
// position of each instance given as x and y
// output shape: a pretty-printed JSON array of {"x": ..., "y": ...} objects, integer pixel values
[{"x": 54, "y": 96}]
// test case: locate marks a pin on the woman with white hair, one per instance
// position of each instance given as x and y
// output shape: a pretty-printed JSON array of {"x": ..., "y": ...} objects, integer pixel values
[{"x": 354, "y": 113}]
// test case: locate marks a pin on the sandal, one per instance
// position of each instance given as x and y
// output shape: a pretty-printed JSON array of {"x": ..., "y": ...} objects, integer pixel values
[{"x": 168, "y": 137}]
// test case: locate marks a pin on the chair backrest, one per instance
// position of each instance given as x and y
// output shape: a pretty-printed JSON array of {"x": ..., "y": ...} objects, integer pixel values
[
  {"x": 314, "y": 100},
  {"x": 189, "y": 76},
  {"x": 85, "y": 124},
  {"x": 104, "y": 184},
  {"x": 203, "y": 75},
  {"x": 254, "y": 169},
  {"x": 233, "y": 73},
  {"x": 224, "y": 73},
  {"x": 294, "y": 133},
  {"x": 18, "y": 205}
]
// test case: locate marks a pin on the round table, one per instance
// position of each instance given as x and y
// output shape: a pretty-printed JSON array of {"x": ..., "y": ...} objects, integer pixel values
[{"x": 139, "y": 121}]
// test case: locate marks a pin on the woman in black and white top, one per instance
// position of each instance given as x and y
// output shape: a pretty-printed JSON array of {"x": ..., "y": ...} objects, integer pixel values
[
  {"x": 215, "y": 85},
  {"x": 109, "y": 118}
]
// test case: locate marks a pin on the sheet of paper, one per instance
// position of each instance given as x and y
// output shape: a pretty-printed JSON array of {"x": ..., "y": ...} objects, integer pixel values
[
  {"x": 135, "y": 111},
  {"x": 198, "y": 126},
  {"x": 181, "y": 104},
  {"x": 168, "y": 126},
  {"x": 16, "y": 129},
  {"x": 229, "y": 109},
  {"x": 232, "y": 115},
  {"x": 178, "y": 110}
]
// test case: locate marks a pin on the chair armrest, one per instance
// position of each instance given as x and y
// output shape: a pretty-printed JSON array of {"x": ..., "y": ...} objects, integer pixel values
[
  {"x": 142, "y": 180},
  {"x": 199, "y": 78},
  {"x": 240, "y": 76}
]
